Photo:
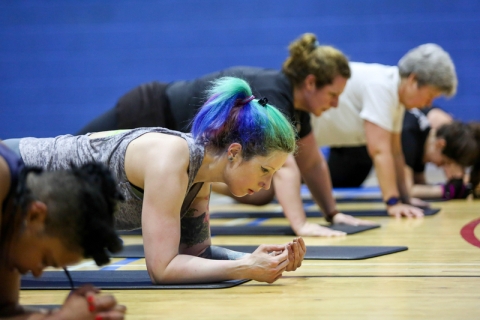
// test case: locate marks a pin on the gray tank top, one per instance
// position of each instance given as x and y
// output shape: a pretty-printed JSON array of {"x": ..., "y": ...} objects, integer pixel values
[{"x": 59, "y": 152}]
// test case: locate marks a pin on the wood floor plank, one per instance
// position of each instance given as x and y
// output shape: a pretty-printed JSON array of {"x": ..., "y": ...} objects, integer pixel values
[{"x": 437, "y": 278}]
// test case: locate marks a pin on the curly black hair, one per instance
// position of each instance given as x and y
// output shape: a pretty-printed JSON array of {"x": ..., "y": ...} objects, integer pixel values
[
  {"x": 98, "y": 202},
  {"x": 81, "y": 204}
]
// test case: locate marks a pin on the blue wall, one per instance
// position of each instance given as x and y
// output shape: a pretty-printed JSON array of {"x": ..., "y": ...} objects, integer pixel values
[{"x": 64, "y": 62}]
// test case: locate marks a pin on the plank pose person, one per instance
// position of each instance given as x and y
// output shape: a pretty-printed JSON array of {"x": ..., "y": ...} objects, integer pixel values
[
  {"x": 430, "y": 135},
  {"x": 311, "y": 80},
  {"x": 366, "y": 126},
  {"x": 165, "y": 177}
]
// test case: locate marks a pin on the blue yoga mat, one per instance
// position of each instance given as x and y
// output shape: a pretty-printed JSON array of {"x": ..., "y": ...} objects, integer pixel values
[{"x": 346, "y": 195}]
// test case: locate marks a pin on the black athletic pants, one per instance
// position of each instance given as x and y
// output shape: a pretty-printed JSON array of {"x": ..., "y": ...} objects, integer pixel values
[
  {"x": 349, "y": 166},
  {"x": 145, "y": 106}
]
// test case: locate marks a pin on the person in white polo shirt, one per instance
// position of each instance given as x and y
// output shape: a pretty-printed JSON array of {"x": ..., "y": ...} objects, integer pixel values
[{"x": 366, "y": 125}]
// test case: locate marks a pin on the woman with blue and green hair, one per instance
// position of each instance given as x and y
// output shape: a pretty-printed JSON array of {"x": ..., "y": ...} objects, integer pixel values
[
  {"x": 165, "y": 178},
  {"x": 310, "y": 82}
]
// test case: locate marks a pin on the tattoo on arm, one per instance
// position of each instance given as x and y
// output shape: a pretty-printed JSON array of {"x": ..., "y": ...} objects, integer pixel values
[
  {"x": 219, "y": 253},
  {"x": 194, "y": 230}
]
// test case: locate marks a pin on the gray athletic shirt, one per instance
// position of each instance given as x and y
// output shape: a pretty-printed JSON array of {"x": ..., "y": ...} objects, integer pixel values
[{"x": 59, "y": 152}]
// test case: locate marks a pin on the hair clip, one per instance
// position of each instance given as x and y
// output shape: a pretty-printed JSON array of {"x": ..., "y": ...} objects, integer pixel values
[{"x": 263, "y": 102}]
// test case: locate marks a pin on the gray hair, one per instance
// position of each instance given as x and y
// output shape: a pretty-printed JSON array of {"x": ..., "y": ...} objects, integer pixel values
[{"x": 431, "y": 65}]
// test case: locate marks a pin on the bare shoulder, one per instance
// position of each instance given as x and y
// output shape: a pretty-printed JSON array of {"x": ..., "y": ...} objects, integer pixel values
[
  {"x": 154, "y": 155},
  {"x": 164, "y": 148},
  {"x": 437, "y": 117}
]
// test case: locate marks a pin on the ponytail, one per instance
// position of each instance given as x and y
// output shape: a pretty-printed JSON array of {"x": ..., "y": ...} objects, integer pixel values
[
  {"x": 307, "y": 56},
  {"x": 99, "y": 202},
  {"x": 232, "y": 115}
]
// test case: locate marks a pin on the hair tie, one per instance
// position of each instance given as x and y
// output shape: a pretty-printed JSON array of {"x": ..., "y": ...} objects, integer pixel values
[
  {"x": 263, "y": 102},
  {"x": 246, "y": 100}
]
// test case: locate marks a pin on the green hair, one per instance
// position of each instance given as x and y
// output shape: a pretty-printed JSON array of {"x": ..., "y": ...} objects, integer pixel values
[{"x": 231, "y": 115}]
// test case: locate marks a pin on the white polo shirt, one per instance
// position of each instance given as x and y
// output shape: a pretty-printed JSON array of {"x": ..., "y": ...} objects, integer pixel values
[{"x": 370, "y": 94}]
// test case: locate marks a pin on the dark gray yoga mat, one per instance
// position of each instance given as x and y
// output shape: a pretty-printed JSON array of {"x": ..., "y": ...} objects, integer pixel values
[
  {"x": 112, "y": 279},
  {"x": 279, "y": 230},
  {"x": 264, "y": 230},
  {"x": 310, "y": 214},
  {"x": 313, "y": 252},
  {"x": 336, "y": 252}
]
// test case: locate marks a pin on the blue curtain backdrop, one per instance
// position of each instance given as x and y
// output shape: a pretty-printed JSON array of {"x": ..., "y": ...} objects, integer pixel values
[{"x": 62, "y": 63}]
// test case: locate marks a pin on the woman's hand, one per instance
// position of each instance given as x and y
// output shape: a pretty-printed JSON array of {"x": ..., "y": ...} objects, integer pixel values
[
  {"x": 341, "y": 218},
  {"x": 296, "y": 252},
  {"x": 419, "y": 203},
  {"x": 404, "y": 210},
  {"x": 86, "y": 303},
  {"x": 315, "y": 230},
  {"x": 267, "y": 263}
]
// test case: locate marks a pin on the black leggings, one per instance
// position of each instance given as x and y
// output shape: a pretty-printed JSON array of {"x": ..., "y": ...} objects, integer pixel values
[
  {"x": 106, "y": 122},
  {"x": 349, "y": 166},
  {"x": 145, "y": 106}
]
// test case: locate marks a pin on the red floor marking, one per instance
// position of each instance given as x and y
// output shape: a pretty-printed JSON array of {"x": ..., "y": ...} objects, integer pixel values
[{"x": 468, "y": 233}]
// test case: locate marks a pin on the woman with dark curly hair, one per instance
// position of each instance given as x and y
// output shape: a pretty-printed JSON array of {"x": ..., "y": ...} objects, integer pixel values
[{"x": 55, "y": 219}]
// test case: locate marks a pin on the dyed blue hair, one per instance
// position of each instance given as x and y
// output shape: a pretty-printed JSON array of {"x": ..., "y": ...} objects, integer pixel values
[{"x": 225, "y": 119}]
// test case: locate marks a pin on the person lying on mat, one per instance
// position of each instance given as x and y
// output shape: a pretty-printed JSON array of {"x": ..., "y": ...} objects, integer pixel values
[
  {"x": 312, "y": 78},
  {"x": 366, "y": 126},
  {"x": 165, "y": 177},
  {"x": 455, "y": 146},
  {"x": 430, "y": 135},
  {"x": 55, "y": 219}
]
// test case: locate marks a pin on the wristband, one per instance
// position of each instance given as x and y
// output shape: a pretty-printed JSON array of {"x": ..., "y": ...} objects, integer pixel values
[
  {"x": 455, "y": 189},
  {"x": 329, "y": 217},
  {"x": 392, "y": 201}
]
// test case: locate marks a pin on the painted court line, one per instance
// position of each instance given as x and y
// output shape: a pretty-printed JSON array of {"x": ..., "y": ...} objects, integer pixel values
[
  {"x": 257, "y": 222},
  {"x": 82, "y": 265},
  {"x": 236, "y": 222},
  {"x": 323, "y": 263},
  {"x": 118, "y": 264},
  {"x": 468, "y": 233}
]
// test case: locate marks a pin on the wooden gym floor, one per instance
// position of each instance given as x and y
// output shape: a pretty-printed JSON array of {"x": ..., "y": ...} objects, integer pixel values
[{"x": 437, "y": 278}]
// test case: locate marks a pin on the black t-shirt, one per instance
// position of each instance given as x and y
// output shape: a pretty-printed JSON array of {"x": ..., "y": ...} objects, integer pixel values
[
  {"x": 414, "y": 134},
  {"x": 186, "y": 97}
]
